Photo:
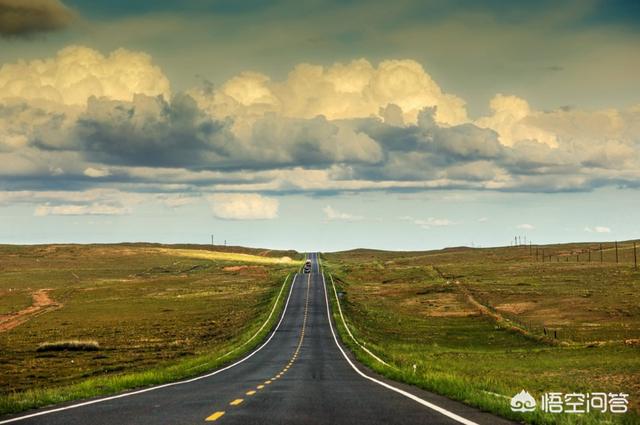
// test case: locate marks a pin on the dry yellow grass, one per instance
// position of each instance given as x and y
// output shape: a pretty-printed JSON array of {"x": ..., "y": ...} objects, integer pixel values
[
  {"x": 223, "y": 256},
  {"x": 72, "y": 345}
]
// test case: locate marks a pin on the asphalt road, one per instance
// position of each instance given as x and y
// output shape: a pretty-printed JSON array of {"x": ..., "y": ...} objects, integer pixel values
[{"x": 301, "y": 376}]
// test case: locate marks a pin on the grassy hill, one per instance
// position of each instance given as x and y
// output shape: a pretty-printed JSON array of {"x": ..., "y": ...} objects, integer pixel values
[
  {"x": 107, "y": 317},
  {"x": 480, "y": 325}
]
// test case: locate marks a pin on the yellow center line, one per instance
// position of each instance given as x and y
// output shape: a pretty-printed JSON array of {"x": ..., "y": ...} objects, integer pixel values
[{"x": 215, "y": 416}]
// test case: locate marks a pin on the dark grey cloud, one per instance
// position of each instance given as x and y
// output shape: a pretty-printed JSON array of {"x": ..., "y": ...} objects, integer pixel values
[
  {"x": 23, "y": 18},
  {"x": 313, "y": 143},
  {"x": 424, "y": 151},
  {"x": 153, "y": 142},
  {"x": 152, "y": 132},
  {"x": 465, "y": 142},
  {"x": 467, "y": 156}
]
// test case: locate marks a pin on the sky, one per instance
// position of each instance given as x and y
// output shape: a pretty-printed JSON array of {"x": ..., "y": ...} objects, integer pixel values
[{"x": 320, "y": 125}]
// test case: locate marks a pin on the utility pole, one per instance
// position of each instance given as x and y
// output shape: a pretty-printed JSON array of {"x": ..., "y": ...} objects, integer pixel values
[
  {"x": 616, "y": 252},
  {"x": 211, "y": 240}
]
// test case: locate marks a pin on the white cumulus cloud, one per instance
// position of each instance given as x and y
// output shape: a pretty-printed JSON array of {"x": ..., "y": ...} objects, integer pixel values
[
  {"x": 597, "y": 229},
  {"x": 73, "y": 209},
  {"x": 510, "y": 120},
  {"x": 334, "y": 215},
  {"x": 357, "y": 89},
  {"x": 525, "y": 226},
  {"x": 429, "y": 222},
  {"x": 77, "y": 73},
  {"x": 244, "y": 206},
  {"x": 96, "y": 172},
  {"x": 351, "y": 126}
]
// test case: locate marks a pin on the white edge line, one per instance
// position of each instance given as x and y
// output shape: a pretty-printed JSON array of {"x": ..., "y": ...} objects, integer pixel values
[
  {"x": 496, "y": 394},
  {"x": 273, "y": 309},
  {"x": 157, "y": 387},
  {"x": 384, "y": 384},
  {"x": 344, "y": 322}
]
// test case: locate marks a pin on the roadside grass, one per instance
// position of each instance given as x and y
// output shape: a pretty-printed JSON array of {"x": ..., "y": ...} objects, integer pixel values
[
  {"x": 406, "y": 310},
  {"x": 157, "y": 318}
]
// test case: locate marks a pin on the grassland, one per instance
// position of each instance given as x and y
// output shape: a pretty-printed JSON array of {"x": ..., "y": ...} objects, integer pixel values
[
  {"x": 479, "y": 325},
  {"x": 156, "y": 314}
]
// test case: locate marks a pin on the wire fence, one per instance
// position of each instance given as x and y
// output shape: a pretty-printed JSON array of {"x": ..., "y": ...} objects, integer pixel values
[
  {"x": 612, "y": 252},
  {"x": 607, "y": 254}
]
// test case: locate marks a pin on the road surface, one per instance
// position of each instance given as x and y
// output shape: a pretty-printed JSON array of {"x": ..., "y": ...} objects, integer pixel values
[{"x": 302, "y": 375}]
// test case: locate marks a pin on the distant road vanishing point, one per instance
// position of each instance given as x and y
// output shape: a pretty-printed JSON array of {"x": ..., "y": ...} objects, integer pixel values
[{"x": 301, "y": 375}]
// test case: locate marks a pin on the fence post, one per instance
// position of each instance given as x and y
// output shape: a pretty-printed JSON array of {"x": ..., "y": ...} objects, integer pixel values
[
  {"x": 601, "y": 253},
  {"x": 589, "y": 254},
  {"x": 616, "y": 252},
  {"x": 635, "y": 257}
]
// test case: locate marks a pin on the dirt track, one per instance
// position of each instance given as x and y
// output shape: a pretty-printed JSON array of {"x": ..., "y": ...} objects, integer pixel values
[{"x": 41, "y": 304}]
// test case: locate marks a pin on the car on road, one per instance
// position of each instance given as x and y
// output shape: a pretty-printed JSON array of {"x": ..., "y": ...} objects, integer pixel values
[{"x": 307, "y": 266}]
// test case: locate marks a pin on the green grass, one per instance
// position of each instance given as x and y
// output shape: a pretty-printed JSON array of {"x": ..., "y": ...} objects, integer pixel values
[
  {"x": 167, "y": 372},
  {"x": 412, "y": 309},
  {"x": 157, "y": 317},
  {"x": 12, "y": 301}
]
